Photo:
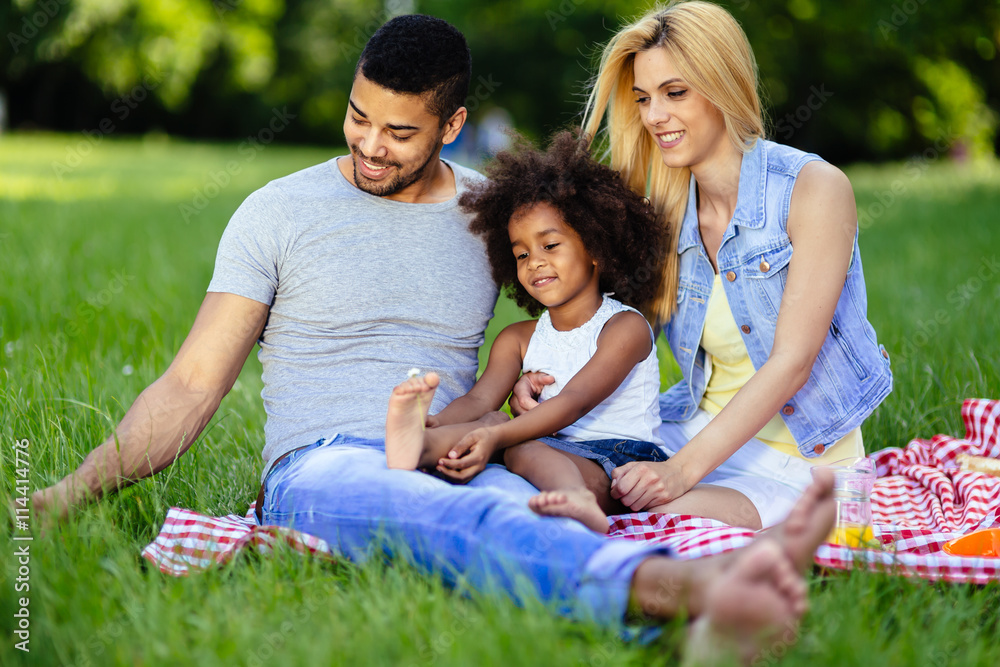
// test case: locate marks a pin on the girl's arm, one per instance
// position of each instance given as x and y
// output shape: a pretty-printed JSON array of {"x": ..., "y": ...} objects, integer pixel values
[
  {"x": 493, "y": 388},
  {"x": 624, "y": 342},
  {"x": 822, "y": 222}
]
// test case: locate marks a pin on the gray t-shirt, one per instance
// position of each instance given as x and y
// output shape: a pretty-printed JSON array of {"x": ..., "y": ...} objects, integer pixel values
[{"x": 361, "y": 289}]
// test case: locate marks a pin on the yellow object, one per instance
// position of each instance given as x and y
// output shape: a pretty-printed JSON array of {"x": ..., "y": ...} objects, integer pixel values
[
  {"x": 731, "y": 368},
  {"x": 856, "y": 537},
  {"x": 981, "y": 464}
]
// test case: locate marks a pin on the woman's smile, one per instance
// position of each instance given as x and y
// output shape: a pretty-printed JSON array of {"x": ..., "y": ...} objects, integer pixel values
[{"x": 669, "y": 139}]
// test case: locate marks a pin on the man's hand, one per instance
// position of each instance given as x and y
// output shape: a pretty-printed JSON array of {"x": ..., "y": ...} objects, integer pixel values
[
  {"x": 170, "y": 413},
  {"x": 527, "y": 390},
  {"x": 643, "y": 484},
  {"x": 52, "y": 504},
  {"x": 469, "y": 456}
]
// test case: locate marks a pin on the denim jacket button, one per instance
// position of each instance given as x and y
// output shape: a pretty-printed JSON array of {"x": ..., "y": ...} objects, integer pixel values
[
  {"x": 745, "y": 329},
  {"x": 819, "y": 449},
  {"x": 788, "y": 410},
  {"x": 730, "y": 276},
  {"x": 764, "y": 266},
  {"x": 885, "y": 354}
]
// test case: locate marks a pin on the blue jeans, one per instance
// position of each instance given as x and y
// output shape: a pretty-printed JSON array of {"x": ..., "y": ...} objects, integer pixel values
[{"x": 482, "y": 533}]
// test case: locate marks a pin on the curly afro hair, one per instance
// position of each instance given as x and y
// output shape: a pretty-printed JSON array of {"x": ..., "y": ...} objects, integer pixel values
[
  {"x": 618, "y": 227},
  {"x": 420, "y": 54}
]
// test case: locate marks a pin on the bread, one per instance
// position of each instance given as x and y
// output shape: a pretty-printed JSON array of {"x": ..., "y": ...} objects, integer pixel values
[{"x": 979, "y": 464}]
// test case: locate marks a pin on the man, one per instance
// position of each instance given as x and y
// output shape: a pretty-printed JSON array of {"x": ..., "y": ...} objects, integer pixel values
[{"x": 348, "y": 274}]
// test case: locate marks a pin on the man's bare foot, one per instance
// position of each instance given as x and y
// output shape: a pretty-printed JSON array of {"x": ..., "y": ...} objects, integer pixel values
[
  {"x": 809, "y": 523},
  {"x": 404, "y": 421},
  {"x": 579, "y": 504},
  {"x": 663, "y": 587},
  {"x": 753, "y": 606}
]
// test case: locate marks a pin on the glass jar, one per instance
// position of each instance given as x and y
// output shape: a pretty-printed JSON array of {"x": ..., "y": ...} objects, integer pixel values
[{"x": 852, "y": 489}]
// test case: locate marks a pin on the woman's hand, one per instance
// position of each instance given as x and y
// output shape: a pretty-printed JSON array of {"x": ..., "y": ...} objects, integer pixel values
[
  {"x": 470, "y": 455},
  {"x": 643, "y": 484},
  {"x": 527, "y": 390}
]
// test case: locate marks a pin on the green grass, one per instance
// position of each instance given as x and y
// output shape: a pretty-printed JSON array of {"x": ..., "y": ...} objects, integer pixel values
[{"x": 102, "y": 277}]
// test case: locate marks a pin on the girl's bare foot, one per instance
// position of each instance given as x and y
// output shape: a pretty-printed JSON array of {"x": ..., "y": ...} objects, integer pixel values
[
  {"x": 579, "y": 504},
  {"x": 404, "y": 421}
]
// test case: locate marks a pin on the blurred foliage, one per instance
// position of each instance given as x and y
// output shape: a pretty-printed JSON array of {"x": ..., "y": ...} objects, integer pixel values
[{"x": 852, "y": 80}]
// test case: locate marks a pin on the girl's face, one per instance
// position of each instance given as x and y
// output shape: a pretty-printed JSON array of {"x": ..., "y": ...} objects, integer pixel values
[
  {"x": 688, "y": 129},
  {"x": 552, "y": 263}
]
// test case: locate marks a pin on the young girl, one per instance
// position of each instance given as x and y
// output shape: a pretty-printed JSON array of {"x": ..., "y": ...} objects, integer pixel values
[
  {"x": 562, "y": 233},
  {"x": 763, "y": 294}
]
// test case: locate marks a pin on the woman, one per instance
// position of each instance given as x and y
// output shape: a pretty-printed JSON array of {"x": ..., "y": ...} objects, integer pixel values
[{"x": 780, "y": 363}]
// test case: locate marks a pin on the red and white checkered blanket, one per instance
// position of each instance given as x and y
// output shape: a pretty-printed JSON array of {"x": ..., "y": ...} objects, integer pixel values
[{"x": 921, "y": 500}]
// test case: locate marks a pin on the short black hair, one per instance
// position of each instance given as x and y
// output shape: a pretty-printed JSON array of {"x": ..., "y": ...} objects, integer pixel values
[
  {"x": 417, "y": 54},
  {"x": 618, "y": 227}
]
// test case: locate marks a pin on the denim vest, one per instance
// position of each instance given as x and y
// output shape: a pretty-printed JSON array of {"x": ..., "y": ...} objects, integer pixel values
[{"x": 851, "y": 375}]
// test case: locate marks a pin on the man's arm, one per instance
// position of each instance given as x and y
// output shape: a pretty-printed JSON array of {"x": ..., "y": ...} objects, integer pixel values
[{"x": 170, "y": 413}]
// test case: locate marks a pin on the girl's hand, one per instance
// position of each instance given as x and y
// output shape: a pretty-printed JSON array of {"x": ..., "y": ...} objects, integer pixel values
[
  {"x": 527, "y": 390},
  {"x": 469, "y": 456},
  {"x": 643, "y": 484}
]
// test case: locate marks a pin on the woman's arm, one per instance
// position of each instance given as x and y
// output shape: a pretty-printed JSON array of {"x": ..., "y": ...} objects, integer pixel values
[
  {"x": 822, "y": 222},
  {"x": 491, "y": 390},
  {"x": 624, "y": 342}
]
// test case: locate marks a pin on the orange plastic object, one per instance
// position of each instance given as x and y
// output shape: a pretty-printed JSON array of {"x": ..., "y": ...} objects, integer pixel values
[{"x": 982, "y": 543}]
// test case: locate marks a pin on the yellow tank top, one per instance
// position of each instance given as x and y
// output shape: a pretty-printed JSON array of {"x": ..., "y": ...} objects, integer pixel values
[{"x": 731, "y": 368}]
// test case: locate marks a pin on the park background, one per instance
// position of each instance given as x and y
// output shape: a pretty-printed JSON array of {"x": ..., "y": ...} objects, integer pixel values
[
  {"x": 132, "y": 129},
  {"x": 891, "y": 78}
]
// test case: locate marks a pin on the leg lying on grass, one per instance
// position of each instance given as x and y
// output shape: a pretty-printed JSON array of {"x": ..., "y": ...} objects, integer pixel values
[
  {"x": 484, "y": 536},
  {"x": 408, "y": 445},
  {"x": 743, "y": 600}
]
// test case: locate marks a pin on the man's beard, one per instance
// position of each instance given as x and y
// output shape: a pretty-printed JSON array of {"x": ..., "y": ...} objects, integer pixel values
[{"x": 393, "y": 185}]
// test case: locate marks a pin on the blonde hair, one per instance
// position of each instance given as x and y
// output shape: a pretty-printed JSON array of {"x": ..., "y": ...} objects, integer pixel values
[{"x": 712, "y": 54}]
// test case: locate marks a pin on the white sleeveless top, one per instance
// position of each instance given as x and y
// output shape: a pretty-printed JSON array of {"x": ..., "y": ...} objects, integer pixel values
[{"x": 632, "y": 412}]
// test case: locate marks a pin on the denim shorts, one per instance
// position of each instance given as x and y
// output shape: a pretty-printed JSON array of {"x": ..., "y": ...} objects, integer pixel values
[{"x": 610, "y": 453}]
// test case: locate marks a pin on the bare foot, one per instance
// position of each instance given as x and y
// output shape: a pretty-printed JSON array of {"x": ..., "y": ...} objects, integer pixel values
[
  {"x": 404, "y": 421},
  {"x": 809, "y": 523},
  {"x": 752, "y": 608},
  {"x": 579, "y": 504},
  {"x": 662, "y": 587}
]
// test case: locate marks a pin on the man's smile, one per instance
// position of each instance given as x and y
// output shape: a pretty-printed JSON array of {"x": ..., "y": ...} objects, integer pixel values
[{"x": 370, "y": 169}]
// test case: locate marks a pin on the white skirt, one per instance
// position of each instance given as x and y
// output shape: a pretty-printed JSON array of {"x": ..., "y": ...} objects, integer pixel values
[{"x": 773, "y": 481}]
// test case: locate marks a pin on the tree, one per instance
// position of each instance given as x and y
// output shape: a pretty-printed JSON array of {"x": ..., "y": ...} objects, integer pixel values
[{"x": 851, "y": 80}]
